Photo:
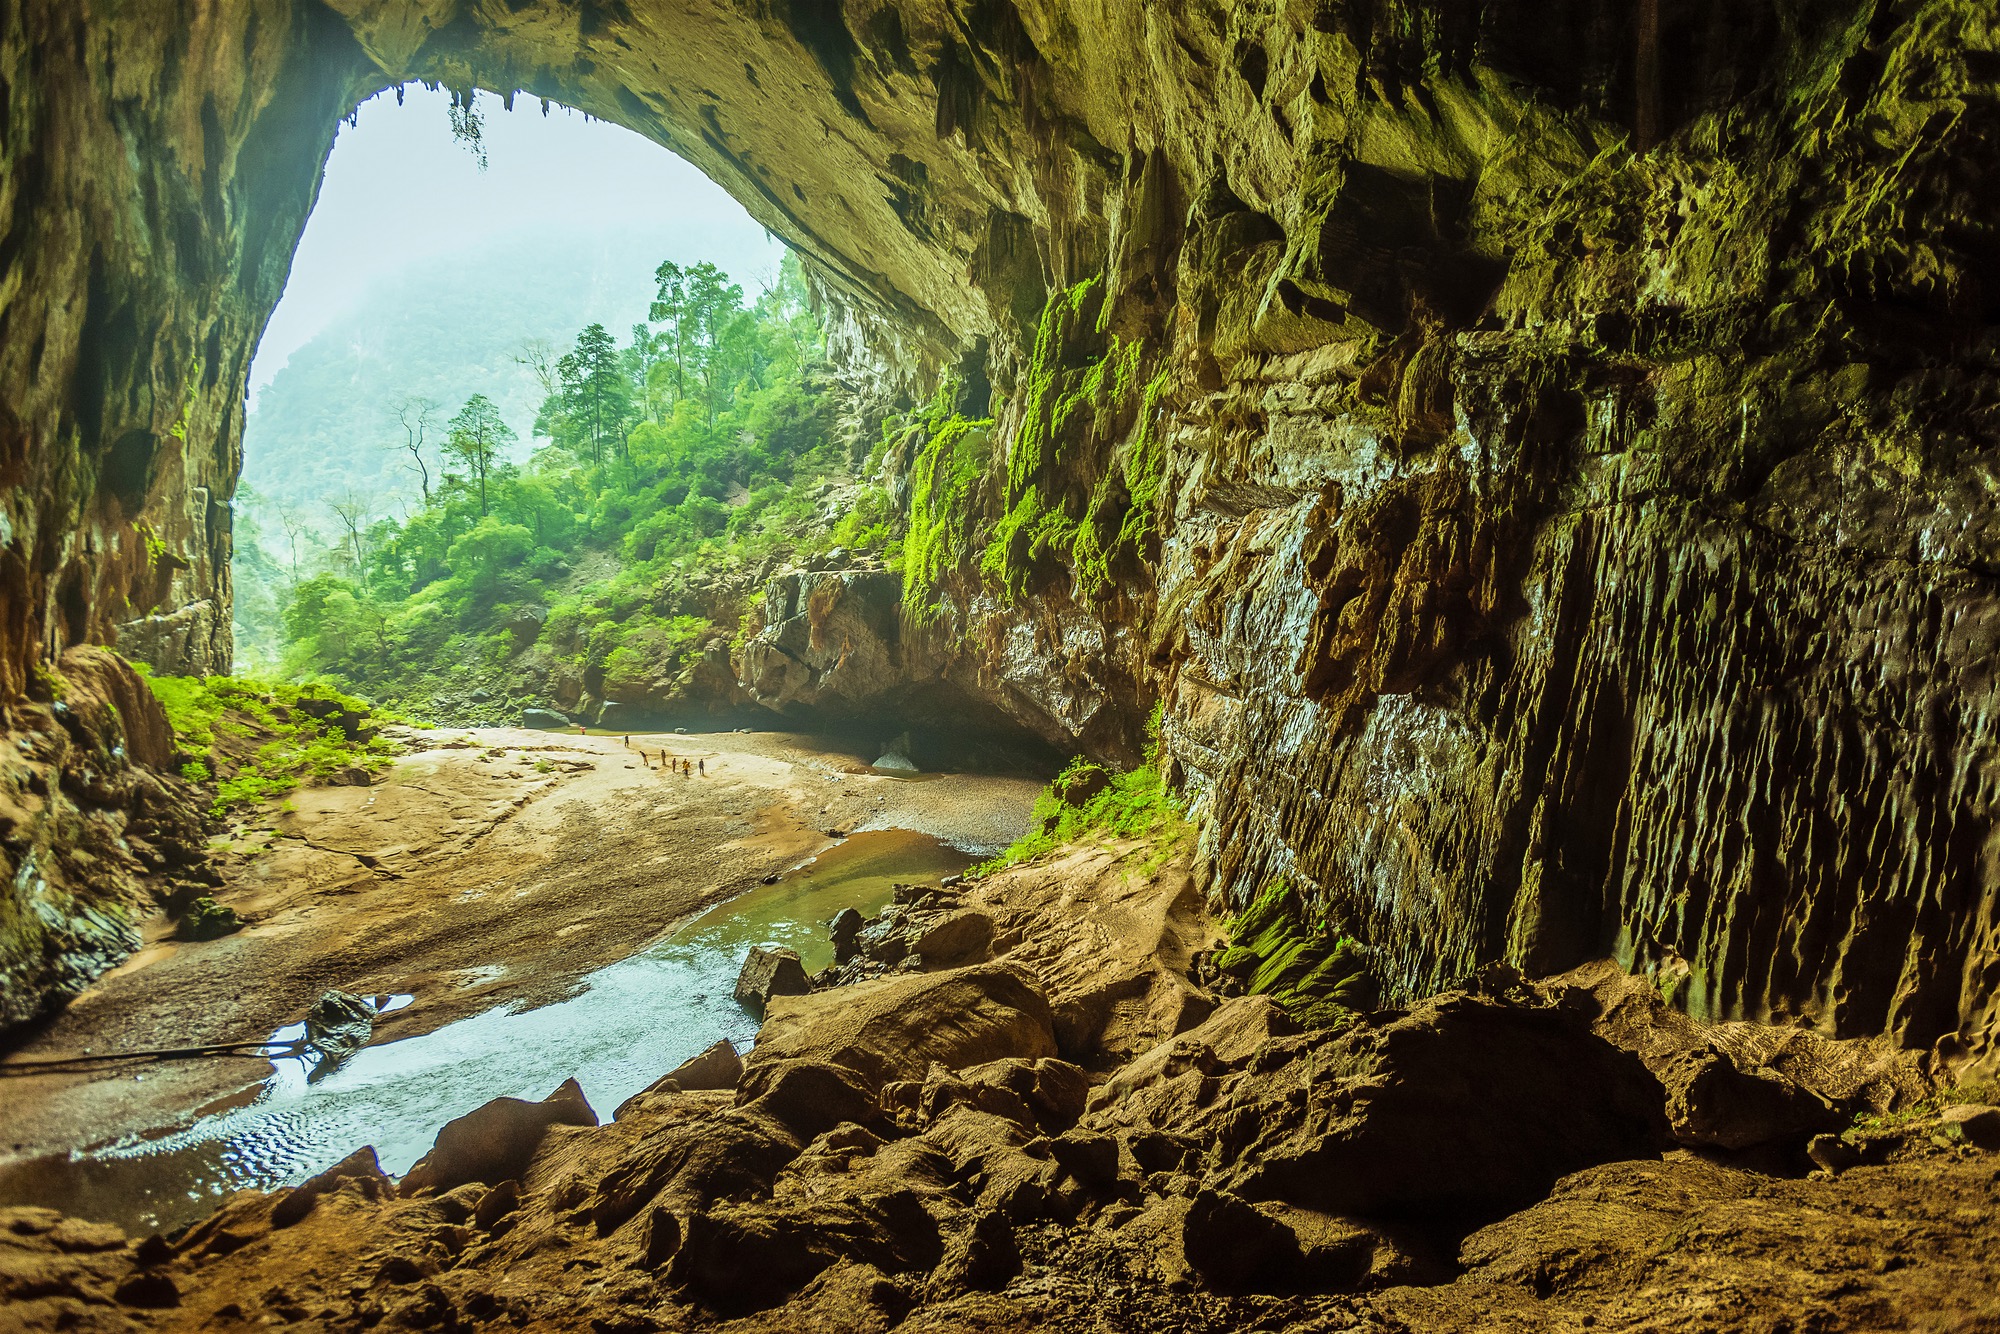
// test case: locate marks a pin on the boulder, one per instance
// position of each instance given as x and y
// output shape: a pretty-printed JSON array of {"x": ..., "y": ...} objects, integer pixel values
[
  {"x": 338, "y": 1025},
  {"x": 205, "y": 919},
  {"x": 955, "y": 939},
  {"x": 740, "y": 1258},
  {"x": 846, "y": 931},
  {"x": 983, "y": 1258},
  {"x": 359, "y": 1167},
  {"x": 1975, "y": 1123},
  {"x": 544, "y": 720},
  {"x": 896, "y": 754},
  {"x": 618, "y": 716},
  {"x": 1235, "y": 1248},
  {"x": 1230, "y": 1037},
  {"x": 495, "y": 1143},
  {"x": 1711, "y": 1103},
  {"x": 1052, "y": 1093},
  {"x": 807, "y": 1097},
  {"x": 689, "y": 1164},
  {"x": 1465, "y": 1108},
  {"x": 767, "y": 973},
  {"x": 718, "y": 1067},
  {"x": 896, "y": 1028}
]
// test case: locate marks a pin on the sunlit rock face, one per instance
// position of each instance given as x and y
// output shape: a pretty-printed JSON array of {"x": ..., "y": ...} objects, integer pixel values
[{"x": 1543, "y": 548}]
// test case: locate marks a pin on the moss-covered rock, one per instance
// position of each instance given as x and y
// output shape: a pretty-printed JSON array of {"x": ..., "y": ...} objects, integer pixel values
[{"x": 1319, "y": 976}]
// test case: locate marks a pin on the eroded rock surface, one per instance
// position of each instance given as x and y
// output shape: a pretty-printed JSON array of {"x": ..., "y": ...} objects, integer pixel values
[{"x": 921, "y": 1153}]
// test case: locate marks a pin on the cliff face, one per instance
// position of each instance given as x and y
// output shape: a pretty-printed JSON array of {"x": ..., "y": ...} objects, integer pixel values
[{"x": 1543, "y": 459}]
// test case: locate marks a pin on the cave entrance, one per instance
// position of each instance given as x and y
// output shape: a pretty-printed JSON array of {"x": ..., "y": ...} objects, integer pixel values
[{"x": 457, "y": 248}]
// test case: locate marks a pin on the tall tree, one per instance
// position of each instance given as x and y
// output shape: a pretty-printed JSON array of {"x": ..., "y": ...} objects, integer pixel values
[
  {"x": 478, "y": 435},
  {"x": 418, "y": 416},
  {"x": 670, "y": 307},
  {"x": 596, "y": 394},
  {"x": 355, "y": 510},
  {"x": 539, "y": 356},
  {"x": 713, "y": 303}
]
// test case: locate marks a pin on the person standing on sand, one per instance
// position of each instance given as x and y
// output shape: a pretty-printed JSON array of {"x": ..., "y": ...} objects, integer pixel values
[{"x": 704, "y": 767}]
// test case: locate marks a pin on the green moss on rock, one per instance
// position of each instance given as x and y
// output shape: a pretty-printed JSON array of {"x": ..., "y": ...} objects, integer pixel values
[{"x": 1318, "y": 975}]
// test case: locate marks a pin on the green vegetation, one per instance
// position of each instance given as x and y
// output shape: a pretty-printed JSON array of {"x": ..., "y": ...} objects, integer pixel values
[
  {"x": 1083, "y": 386},
  {"x": 943, "y": 478},
  {"x": 617, "y": 560},
  {"x": 486, "y": 320},
  {"x": 257, "y": 740},
  {"x": 1316, "y": 974},
  {"x": 675, "y": 465},
  {"x": 1088, "y": 801},
  {"x": 1869, "y": 1123}
]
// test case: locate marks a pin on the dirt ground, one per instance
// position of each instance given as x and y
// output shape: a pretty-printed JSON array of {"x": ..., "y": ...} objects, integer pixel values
[{"x": 490, "y": 865}]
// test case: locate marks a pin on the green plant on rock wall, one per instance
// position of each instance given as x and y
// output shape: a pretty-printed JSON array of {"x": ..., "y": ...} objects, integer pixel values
[
  {"x": 943, "y": 478},
  {"x": 1318, "y": 975},
  {"x": 1088, "y": 801},
  {"x": 1081, "y": 387},
  {"x": 260, "y": 739}
]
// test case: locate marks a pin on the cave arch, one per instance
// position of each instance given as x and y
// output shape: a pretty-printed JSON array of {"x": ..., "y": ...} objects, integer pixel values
[{"x": 218, "y": 120}]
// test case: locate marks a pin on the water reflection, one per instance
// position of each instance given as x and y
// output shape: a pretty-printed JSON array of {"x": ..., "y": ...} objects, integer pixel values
[{"x": 626, "y": 1025}]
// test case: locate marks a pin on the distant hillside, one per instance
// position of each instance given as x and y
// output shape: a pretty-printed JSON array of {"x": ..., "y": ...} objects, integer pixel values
[{"x": 446, "y": 330}]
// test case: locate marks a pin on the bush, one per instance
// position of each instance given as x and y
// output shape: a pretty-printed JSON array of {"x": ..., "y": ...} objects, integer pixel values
[
  {"x": 261, "y": 739},
  {"x": 1088, "y": 801}
]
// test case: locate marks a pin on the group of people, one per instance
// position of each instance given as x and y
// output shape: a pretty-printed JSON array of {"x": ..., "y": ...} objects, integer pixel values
[{"x": 672, "y": 763}]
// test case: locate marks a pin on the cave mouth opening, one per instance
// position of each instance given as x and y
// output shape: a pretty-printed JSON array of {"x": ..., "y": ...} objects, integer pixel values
[
  {"x": 464, "y": 250},
  {"x": 457, "y": 250}
]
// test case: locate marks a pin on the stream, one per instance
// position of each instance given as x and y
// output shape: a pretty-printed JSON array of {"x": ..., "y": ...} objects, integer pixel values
[{"x": 624, "y": 1027}]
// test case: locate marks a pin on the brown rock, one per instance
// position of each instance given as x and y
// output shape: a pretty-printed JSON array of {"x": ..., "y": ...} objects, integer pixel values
[
  {"x": 494, "y": 1143},
  {"x": 1977, "y": 1123},
  {"x": 717, "y": 1067},
  {"x": 897, "y": 1028},
  {"x": 360, "y": 1167},
  {"x": 741, "y": 1258},
  {"x": 1712, "y": 1103},
  {"x": 954, "y": 940},
  {"x": 767, "y": 973},
  {"x": 982, "y": 1258},
  {"x": 1464, "y": 1108},
  {"x": 808, "y": 1097},
  {"x": 148, "y": 1290}
]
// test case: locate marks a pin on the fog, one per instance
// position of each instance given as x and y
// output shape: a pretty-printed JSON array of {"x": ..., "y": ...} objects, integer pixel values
[{"x": 400, "y": 192}]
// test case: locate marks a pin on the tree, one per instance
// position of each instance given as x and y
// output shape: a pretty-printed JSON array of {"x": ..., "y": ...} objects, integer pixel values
[
  {"x": 539, "y": 356},
  {"x": 355, "y": 510},
  {"x": 596, "y": 395},
  {"x": 418, "y": 416},
  {"x": 478, "y": 435},
  {"x": 713, "y": 302},
  {"x": 670, "y": 307},
  {"x": 295, "y": 526}
]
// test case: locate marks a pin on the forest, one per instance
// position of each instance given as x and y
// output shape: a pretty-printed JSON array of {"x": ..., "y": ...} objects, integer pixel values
[{"x": 674, "y": 463}]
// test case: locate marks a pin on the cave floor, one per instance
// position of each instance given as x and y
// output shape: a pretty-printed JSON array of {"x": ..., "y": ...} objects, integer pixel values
[{"x": 491, "y": 866}]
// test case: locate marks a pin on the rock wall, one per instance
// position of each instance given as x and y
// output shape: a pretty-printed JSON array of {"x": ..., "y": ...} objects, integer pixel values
[{"x": 1542, "y": 456}]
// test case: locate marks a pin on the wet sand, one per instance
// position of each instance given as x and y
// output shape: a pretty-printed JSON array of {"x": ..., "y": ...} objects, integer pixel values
[{"x": 491, "y": 866}]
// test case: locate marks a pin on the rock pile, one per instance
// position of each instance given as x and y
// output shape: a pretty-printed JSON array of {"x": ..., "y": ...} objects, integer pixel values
[{"x": 933, "y": 1148}]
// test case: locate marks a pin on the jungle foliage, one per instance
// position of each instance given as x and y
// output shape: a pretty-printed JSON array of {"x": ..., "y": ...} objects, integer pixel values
[{"x": 689, "y": 450}]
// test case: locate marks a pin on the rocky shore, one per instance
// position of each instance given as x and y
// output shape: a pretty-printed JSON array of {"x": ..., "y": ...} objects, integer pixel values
[{"x": 1035, "y": 1118}]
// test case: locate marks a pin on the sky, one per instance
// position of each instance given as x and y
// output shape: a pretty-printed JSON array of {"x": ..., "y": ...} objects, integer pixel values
[{"x": 399, "y": 191}]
